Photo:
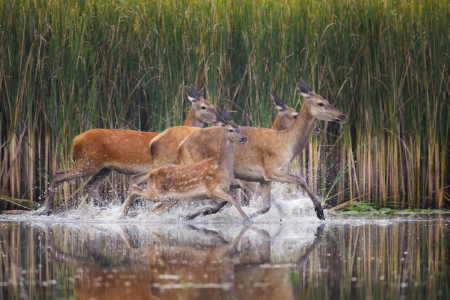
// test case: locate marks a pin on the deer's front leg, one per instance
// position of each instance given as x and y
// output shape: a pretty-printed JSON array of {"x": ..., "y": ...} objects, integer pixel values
[
  {"x": 220, "y": 194},
  {"x": 139, "y": 178},
  {"x": 289, "y": 178}
]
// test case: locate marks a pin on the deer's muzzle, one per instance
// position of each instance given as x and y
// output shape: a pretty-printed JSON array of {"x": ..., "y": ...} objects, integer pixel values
[{"x": 342, "y": 119}]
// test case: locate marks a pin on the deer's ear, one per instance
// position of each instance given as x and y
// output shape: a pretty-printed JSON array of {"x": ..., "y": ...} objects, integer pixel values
[
  {"x": 220, "y": 119},
  {"x": 304, "y": 89},
  {"x": 227, "y": 116},
  {"x": 196, "y": 92},
  {"x": 190, "y": 94},
  {"x": 277, "y": 102}
]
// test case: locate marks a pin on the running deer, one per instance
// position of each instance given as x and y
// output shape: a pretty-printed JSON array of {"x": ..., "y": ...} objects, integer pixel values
[
  {"x": 98, "y": 152},
  {"x": 209, "y": 178},
  {"x": 267, "y": 155},
  {"x": 285, "y": 118},
  {"x": 286, "y": 115},
  {"x": 164, "y": 148}
]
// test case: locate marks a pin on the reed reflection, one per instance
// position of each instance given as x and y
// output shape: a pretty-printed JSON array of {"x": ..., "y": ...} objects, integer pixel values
[
  {"x": 128, "y": 262},
  {"x": 213, "y": 261}
]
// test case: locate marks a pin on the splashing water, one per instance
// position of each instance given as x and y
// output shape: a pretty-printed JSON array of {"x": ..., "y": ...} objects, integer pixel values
[{"x": 286, "y": 207}]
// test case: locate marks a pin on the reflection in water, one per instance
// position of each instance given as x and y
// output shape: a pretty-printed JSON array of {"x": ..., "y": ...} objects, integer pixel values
[{"x": 340, "y": 259}]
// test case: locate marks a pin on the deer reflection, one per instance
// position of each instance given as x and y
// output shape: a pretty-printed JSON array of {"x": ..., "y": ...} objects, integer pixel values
[{"x": 185, "y": 262}]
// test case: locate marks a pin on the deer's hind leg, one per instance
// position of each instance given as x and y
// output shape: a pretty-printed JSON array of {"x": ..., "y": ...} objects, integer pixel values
[
  {"x": 140, "y": 178},
  {"x": 264, "y": 188},
  {"x": 209, "y": 211},
  {"x": 137, "y": 191},
  {"x": 92, "y": 186},
  {"x": 79, "y": 170},
  {"x": 164, "y": 206}
]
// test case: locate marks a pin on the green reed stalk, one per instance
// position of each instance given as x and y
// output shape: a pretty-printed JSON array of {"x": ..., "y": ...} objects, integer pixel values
[{"x": 86, "y": 64}]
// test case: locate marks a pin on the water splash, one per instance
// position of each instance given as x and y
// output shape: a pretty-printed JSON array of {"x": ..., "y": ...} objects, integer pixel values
[{"x": 286, "y": 207}]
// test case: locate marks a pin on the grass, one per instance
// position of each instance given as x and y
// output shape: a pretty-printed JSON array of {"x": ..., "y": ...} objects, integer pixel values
[{"x": 69, "y": 66}]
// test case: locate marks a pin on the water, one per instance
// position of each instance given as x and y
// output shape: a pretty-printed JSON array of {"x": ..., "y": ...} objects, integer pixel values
[{"x": 80, "y": 257}]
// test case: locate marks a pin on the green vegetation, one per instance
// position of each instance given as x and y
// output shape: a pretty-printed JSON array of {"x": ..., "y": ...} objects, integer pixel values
[
  {"x": 68, "y": 66},
  {"x": 365, "y": 208}
]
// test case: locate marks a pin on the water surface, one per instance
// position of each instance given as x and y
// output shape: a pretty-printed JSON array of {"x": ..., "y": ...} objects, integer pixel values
[{"x": 342, "y": 258}]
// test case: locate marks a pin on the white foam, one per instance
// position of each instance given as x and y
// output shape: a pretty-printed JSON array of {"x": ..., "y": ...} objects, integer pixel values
[{"x": 288, "y": 208}]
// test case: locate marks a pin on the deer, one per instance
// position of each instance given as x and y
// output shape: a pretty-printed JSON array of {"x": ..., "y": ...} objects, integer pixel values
[
  {"x": 267, "y": 155},
  {"x": 209, "y": 178},
  {"x": 164, "y": 148},
  {"x": 98, "y": 152},
  {"x": 286, "y": 116}
]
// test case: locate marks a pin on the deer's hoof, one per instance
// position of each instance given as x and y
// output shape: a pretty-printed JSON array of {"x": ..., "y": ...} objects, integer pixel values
[
  {"x": 106, "y": 206},
  {"x": 248, "y": 222},
  {"x": 190, "y": 217},
  {"x": 42, "y": 212},
  {"x": 319, "y": 212},
  {"x": 102, "y": 203}
]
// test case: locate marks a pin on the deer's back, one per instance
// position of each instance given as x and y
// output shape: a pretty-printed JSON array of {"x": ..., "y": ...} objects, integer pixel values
[
  {"x": 118, "y": 148},
  {"x": 164, "y": 148},
  {"x": 250, "y": 158}
]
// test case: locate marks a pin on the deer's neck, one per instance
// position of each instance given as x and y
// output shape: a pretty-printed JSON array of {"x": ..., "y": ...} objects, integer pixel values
[
  {"x": 297, "y": 135},
  {"x": 191, "y": 120},
  {"x": 279, "y": 123},
  {"x": 226, "y": 155},
  {"x": 276, "y": 123}
]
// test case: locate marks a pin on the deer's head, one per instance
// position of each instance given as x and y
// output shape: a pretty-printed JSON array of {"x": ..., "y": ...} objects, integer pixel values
[
  {"x": 287, "y": 114},
  {"x": 318, "y": 107},
  {"x": 230, "y": 129},
  {"x": 202, "y": 109}
]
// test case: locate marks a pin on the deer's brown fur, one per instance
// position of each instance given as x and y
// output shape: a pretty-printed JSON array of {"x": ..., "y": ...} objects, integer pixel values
[
  {"x": 164, "y": 148},
  {"x": 98, "y": 152},
  {"x": 286, "y": 116},
  {"x": 209, "y": 178},
  {"x": 267, "y": 155}
]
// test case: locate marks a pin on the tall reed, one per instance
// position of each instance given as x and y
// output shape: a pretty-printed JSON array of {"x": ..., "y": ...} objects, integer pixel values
[{"x": 69, "y": 66}]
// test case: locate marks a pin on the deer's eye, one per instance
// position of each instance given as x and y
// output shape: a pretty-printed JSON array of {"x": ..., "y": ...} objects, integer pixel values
[
  {"x": 295, "y": 117},
  {"x": 231, "y": 130},
  {"x": 203, "y": 107},
  {"x": 321, "y": 104}
]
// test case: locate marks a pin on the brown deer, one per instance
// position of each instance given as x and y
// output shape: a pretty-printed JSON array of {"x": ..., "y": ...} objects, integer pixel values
[
  {"x": 267, "y": 155},
  {"x": 285, "y": 118},
  {"x": 209, "y": 178},
  {"x": 164, "y": 148},
  {"x": 286, "y": 115},
  {"x": 98, "y": 152}
]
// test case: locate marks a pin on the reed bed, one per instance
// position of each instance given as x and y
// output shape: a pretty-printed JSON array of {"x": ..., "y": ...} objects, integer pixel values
[{"x": 69, "y": 66}]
